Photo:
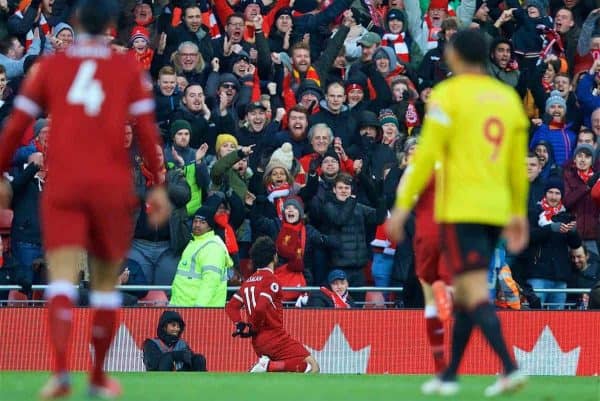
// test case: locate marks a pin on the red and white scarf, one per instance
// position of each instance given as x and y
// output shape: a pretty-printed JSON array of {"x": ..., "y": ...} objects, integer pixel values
[
  {"x": 43, "y": 25},
  {"x": 549, "y": 212},
  {"x": 338, "y": 301},
  {"x": 277, "y": 195},
  {"x": 397, "y": 42}
]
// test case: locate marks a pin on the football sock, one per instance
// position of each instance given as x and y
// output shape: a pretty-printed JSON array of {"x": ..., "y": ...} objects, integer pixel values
[
  {"x": 288, "y": 365},
  {"x": 104, "y": 326},
  {"x": 463, "y": 326},
  {"x": 484, "y": 315},
  {"x": 435, "y": 336},
  {"x": 61, "y": 296}
]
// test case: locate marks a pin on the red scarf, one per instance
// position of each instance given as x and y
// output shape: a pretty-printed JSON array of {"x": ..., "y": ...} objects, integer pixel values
[
  {"x": 585, "y": 175},
  {"x": 548, "y": 86},
  {"x": 222, "y": 220},
  {"x": 144, "y": 59},
  {"x": 338, "y": 302},
  {"x": 38, "y": 146},
  {"x": 549, "y": 211},
  {"x": 149, "y": 176},
  {"x": 291, "y": 243},
  {"x": 557, "y": 125},
  {"x": 277, "y": 196}
]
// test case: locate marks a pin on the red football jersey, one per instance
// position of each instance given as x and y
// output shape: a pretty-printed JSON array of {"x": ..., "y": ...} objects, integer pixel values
[
  {"x": 261, "y": 297},
  {"x": 89, "y": 93}
]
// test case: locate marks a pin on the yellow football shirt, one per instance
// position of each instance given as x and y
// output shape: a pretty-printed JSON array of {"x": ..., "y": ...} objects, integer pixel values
[{"x": 476, "y": 128}]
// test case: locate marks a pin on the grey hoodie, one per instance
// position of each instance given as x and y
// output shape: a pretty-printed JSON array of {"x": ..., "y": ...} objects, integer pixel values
[
  {"x": 48, "y": 49},
  {"x": 390, "y": 54}
]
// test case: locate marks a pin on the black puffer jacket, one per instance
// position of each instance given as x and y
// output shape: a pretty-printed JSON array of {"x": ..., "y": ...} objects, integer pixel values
[
  {"x": 551, "y": 259},
  {"x": 345, "y": 223}
]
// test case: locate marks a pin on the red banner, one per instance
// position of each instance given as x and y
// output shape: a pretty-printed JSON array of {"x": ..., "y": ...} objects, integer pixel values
[{"x": 342, "y": 341}]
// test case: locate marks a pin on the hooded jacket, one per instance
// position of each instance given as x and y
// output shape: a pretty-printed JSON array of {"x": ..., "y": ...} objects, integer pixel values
[{"x": 167, "y": 352}]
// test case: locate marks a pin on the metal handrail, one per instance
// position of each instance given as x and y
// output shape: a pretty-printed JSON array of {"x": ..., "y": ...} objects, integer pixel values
[{"x": 307, "y": 288}]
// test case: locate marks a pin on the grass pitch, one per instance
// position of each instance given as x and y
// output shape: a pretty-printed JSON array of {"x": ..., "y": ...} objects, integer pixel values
[{"x": 292, "y": 387}]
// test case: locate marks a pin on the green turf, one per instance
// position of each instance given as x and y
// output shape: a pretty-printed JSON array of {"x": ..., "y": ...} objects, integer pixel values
[{"x": 291, "y": 387}]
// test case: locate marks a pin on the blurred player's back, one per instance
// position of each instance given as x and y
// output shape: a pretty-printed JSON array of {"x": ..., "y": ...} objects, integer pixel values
[{"x": 89, "y": 92}]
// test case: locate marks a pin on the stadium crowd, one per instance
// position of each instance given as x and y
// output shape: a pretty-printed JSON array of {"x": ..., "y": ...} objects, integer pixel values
[{"x": 295, "y": 119}]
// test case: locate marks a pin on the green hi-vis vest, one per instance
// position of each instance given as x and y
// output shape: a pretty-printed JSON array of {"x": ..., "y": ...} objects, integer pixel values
[
  {"x": 201, "y": 278},
  {"x": 196, "y": 200}
]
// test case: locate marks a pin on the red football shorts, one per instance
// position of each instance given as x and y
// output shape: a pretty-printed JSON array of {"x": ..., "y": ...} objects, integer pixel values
[
  {"x": 99, "y": 221},
  {"x": 469, "y": 246},
  {"x": 278, "y": 345},
  {"x": 430, "y": 266}
]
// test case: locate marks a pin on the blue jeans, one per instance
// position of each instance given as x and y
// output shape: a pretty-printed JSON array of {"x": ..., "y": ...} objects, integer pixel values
[
  {"x": 381, "y": 269},
  {"x": 156, "y": 259},
  {"x": 26, "y": 253},
  {"x": 557, "y": 299}
]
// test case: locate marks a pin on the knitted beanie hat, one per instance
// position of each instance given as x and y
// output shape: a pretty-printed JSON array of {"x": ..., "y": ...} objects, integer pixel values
[
  {"x": 285, "y": 155},
  {"x": 139, "y": 32},
  {"x": 587, "y": 149},
  {"x": 179, "y": 125},
  {"x": 554, "y": 183},
  {"x": 555, "y": 98},
  {"x": 297, "y": 203},
  {"x": 388, "y": 116},
  {"x": 224, "y": 138}
]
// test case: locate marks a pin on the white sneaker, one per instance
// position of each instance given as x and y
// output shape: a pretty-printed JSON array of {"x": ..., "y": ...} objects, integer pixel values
[
  {"x": 437, "y": 386},
  {"x": 57, "y": 386},
  {"x": 507, "y": 384},
  {"x": 261, "y": 365}
]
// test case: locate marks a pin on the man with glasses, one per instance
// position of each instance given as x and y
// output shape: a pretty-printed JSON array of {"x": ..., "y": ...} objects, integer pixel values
[
  {"x": 233, "y": 41},
  {"x": 188, "y": 61}
]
